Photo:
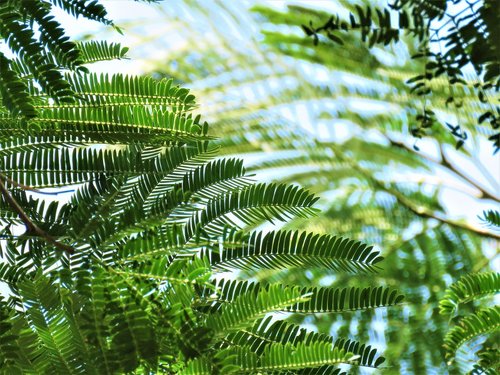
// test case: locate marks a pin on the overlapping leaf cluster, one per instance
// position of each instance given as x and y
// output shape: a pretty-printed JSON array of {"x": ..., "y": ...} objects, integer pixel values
[
  {"x": 485, "y": 320},
  {"x": 338, "y": 121},
  {"x": 122, "y": 272}
]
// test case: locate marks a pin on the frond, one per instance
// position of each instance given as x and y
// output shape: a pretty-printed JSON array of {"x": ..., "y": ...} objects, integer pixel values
[
  {"x": 180, "y": 271},
  {"x": 485, "y": 320},
  {"x": 90, "y": 283},
  {"x": 470, "y": 287},
  {"x": 248, "y": 307},
  {"x": 21, "y": 40},
  {"x": 216, "y": 177},
  {"x": 284, "y": 249},
  {"x": 9, "y": 345},
  {"x": 198, "y": 366},
  {"x": 100, "y": 90},
  {"x": 18, "y": 142},
  {"x": 10, "y": 274},
  {"x": 52, "y": 35},
  {"x": 13, "y": 91},
  {"x": 148, "y": 245},
  {"x": 131, "y": 327},
  {"x": 367, "y": 355},
  {"x": 489, "y": 362},
  {"x": 325, "y": 300},
  {"x": 491, "y": 218},
  {"x": 95, "y": 51},
  {"x": 57, "y": 167},
  {"x": 266, "y": 331},
  {"x": 48, "y": 167},
  {"x": 91, "y": 10},
  {"x": 279, "y": 357},
  {"x": 320, "y": 300},
  {"x": 251, "y": 205},
  {"x": 116, "y": 319},
  {"x": 19, "y": 346},
  {"x": 55, "y": 325},
  {"x": 323, "y": 370},
  {"x": 122, "y": 123}
]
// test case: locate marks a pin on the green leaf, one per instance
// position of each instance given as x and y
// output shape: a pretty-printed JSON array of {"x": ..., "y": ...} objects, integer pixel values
[
  {"x": 485, "y": 320},
  {"x": 469, "y": 288}
]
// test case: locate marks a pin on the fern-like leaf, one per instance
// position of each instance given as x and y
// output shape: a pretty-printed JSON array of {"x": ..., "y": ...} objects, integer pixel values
[
  {"x": 266, "y": 331},
  {"x": 249, "y": 307},
  {"x": 14, "y": 91},
  {"x": 55, "y": 325},
  {"x": 468, "y": 288},
  {"x": 95, "y": 51},
  {"x": 485, "y": 320},
  {"x": 82, "y": 8},
  {"x": 284, "y": 249},
  {"x": 491, "y": 218},
  {"x": 320, "y": 299},
  {"x": 251, "y": 205},
  {"x": 279, "y": 357}
]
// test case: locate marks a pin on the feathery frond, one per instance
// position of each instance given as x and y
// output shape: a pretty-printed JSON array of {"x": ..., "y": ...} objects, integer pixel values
[
  {"x": 470, "y": 287},
  {"x": 485, "y": 320}
]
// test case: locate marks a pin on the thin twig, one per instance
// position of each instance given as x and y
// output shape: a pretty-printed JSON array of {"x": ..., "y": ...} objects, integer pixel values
[
  {"x": 446, "y": 163},
  {"x": 493, "y": 182},
  {"x": 30, "y": 188},
  {"x": 31, "y": 227}
]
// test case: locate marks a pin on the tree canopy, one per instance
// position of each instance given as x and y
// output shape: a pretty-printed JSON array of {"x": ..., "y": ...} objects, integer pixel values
[{"x": 137, "y": 239}]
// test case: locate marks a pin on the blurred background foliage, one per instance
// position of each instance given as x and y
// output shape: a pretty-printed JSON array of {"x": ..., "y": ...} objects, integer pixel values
[{"x": 337, "y": 120}]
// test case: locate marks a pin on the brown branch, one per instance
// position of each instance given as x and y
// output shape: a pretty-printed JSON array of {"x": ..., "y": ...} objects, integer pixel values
[
  {"x": 30, "y": 188},
  {"x": 424, "y": 212},
  {"x": 31, "y": 227},
  {"x": 17, "y": 184},
  {"x": 446, "y": 164},
  {"x": 417, "y": 210}
]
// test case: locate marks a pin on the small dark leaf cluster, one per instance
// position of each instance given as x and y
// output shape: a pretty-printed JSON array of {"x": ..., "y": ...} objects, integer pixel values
[{"x": 469, "y": 39}]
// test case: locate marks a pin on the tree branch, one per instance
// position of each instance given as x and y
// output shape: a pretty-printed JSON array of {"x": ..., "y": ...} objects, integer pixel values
[
  {"x": 417, "y": 210},
  {"x": 29, "y": 188},
  {"x": 424, "y": 212},
  {"x": 446, "y": 164},
  {"x": 31, "y": 227}
]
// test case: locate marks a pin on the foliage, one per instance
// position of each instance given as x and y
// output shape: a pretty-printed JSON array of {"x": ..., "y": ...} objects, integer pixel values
[
  {"x": 468, "y": 37},
  {"x": 124, "y": 272},
  {"x": 281, "y": 103},
  {"x": 485, "y": 320},
  {"x": 470, "y": 288},
  {"x": 491, "y": 218},
  {"x": 41, "y": 58}
]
